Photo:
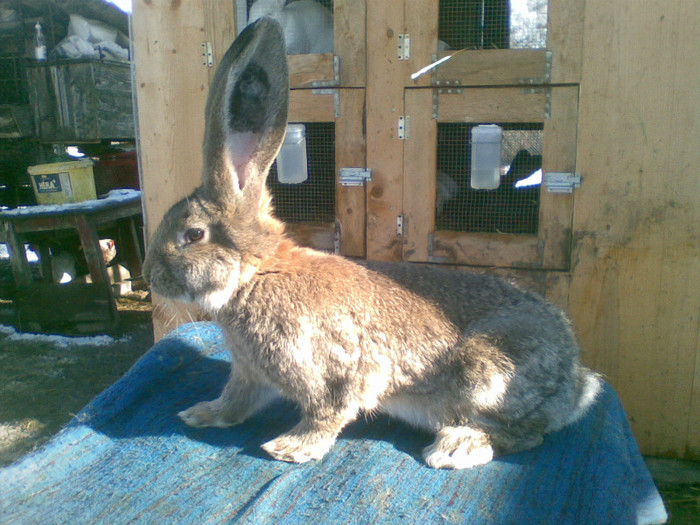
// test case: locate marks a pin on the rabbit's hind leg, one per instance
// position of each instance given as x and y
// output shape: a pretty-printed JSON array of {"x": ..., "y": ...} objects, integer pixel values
[
  {"x": 517, "y": 438},
  {"x": 459, "y": 447}
]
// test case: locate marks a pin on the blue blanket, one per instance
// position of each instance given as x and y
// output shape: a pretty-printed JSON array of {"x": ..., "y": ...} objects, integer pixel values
[{"x": 127, "y": 458}]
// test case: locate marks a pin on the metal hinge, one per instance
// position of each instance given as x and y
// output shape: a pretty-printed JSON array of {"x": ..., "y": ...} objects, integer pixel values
[
  {"x": 403, "y": 129},
  {"x": 557, "y": 182},
  {"x": 354, "y": 176},
  {"x": 444, "y": 91},
  {"x": 207, "y": 54},
  {"x": 404, "y": 46},
  {"x": 399, "y": 225}
]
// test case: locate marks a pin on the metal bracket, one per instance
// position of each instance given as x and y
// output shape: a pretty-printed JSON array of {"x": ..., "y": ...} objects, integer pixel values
[
  {"x": 558, "y": 182},
  {"x": 546, "y": 77},
  {"x": 431, "y": 251},
  {"x": 207, "y": 54},
  {"x": 547, "y": 98},
  {"x": 337, "y": 234},
  {"x": 404, "y": 46},
  {"x": 449, "y": 84},
  {"x": 354, "y": 176},
  {"x": 403, "y": 127},
  {"x": 547, "y": 67},
  {"x": 336, "y": 98},
  {"x": 336, "y": 76},
  {"x": 444, "y": 91}
]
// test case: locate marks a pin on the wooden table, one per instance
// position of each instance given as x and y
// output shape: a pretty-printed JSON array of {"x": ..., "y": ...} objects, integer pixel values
[{"x": 79, "y": 306}]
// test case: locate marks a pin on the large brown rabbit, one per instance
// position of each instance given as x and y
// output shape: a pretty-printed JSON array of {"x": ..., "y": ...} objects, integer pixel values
[{"x": 486, "y": 366}]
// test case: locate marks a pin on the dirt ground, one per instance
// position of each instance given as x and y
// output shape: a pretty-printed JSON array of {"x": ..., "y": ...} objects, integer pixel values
[{"x": 44, "y": 381}]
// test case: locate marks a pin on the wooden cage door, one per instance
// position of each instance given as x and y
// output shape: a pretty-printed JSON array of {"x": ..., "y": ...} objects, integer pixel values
[
  {"x": 523, "y": 90},
  {"x": 548, "y": 247},
  {"x": 345, "y": 109}
]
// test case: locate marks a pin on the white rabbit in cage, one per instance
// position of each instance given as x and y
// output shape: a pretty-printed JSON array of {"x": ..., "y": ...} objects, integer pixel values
[{"x": 307, "y": 25}]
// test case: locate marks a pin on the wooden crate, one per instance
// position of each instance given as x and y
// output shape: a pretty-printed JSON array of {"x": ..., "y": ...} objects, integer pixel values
[{"x": 81, "y": 100}]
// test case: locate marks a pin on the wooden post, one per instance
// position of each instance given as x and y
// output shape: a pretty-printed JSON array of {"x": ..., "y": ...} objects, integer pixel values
[
  {"x": 172, "y": 85},
  {"x": 385, "y": 80}
]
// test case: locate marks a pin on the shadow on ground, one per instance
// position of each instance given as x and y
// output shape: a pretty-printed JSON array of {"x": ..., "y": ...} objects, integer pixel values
[{"x": 45, "y": 380}]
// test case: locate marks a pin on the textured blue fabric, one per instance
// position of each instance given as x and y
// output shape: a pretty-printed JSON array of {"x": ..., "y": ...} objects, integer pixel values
[{"x": 127, "y": 458}]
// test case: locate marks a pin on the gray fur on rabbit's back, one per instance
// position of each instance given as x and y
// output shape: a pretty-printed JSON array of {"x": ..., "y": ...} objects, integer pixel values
[
  {"x": 504, "y": 329},
  {"x": 460, "y": 344}
]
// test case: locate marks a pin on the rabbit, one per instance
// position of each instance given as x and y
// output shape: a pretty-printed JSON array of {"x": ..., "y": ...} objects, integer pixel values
[
  {"x": 487, "y": 367},
  {"x": 307, "y": 25}
]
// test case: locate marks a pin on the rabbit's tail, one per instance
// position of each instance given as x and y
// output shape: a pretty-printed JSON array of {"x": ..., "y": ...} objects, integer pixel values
[{"x": 590, "y": 385}]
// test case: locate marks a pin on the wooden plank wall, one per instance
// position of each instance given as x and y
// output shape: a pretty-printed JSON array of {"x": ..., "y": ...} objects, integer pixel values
[{"x": 635, "y": 280}]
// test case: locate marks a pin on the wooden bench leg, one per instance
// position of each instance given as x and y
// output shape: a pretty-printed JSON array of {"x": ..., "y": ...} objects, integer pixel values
[
  {"x": 96, "y": 264},
  {"x": 129, "y": 246},
  {"x": 18, "y": 257}
]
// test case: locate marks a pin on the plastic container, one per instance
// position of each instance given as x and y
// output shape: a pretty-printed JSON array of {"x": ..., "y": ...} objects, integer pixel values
[
  {"x": 39, "y": 43},
  {"x": 291, "y": 161},
  {"x": 63, "y": 182},
  {"x": 486, "y": 156}
]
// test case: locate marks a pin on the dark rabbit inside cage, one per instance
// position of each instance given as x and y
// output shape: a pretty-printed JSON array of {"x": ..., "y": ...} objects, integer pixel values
[{"x": 511, "y": 208}]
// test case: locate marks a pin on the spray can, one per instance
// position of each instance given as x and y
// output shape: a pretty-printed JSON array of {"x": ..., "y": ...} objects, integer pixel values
[{"x": 39, "y": 43}]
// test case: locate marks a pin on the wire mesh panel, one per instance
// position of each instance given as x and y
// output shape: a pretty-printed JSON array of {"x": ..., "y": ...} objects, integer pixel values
[
  {"x": 313, "y": 200},
  {"x": 511, "y": 208},
  {"x": 492, "y": 24}
]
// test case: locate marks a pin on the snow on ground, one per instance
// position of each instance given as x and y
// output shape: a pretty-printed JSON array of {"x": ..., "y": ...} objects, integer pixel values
[{"x": 61, "y": 341}]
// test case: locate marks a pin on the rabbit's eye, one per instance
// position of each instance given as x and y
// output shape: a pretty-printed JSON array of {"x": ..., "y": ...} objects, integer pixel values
[{"x": 194, "y": 235}]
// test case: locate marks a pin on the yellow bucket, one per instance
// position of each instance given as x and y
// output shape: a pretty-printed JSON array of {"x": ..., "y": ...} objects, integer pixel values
[{"x": 63, "y": 182}]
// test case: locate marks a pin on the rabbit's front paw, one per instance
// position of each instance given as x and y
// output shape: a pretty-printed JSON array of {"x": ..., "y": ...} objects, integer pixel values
[
  {"x": 459, "y": 447},
  {"x": 298, "y": 448},
  {"x": 208, "y": 414}
]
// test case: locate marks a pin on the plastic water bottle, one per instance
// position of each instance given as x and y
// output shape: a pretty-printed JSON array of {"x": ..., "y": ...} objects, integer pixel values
[
  {"x": 39, "y": 43},
  {"x": 486, "y": 157},
  {"x": 291, "y": 161}
]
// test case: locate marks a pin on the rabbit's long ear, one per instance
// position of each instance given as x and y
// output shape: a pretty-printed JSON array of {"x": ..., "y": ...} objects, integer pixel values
[{"x": 246, "y": 113}]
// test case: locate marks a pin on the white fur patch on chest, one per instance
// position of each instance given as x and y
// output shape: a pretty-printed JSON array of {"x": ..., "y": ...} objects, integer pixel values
[{"x": 213, "y": 301}]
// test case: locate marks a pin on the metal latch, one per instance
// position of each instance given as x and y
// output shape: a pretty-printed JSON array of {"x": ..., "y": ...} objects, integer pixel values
[
  {"x": 354, "y": 176},
  {"x": 207, "y": 54},
  {"x": 404, "y": 46},
  {"x": 557, "y": 182}
]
